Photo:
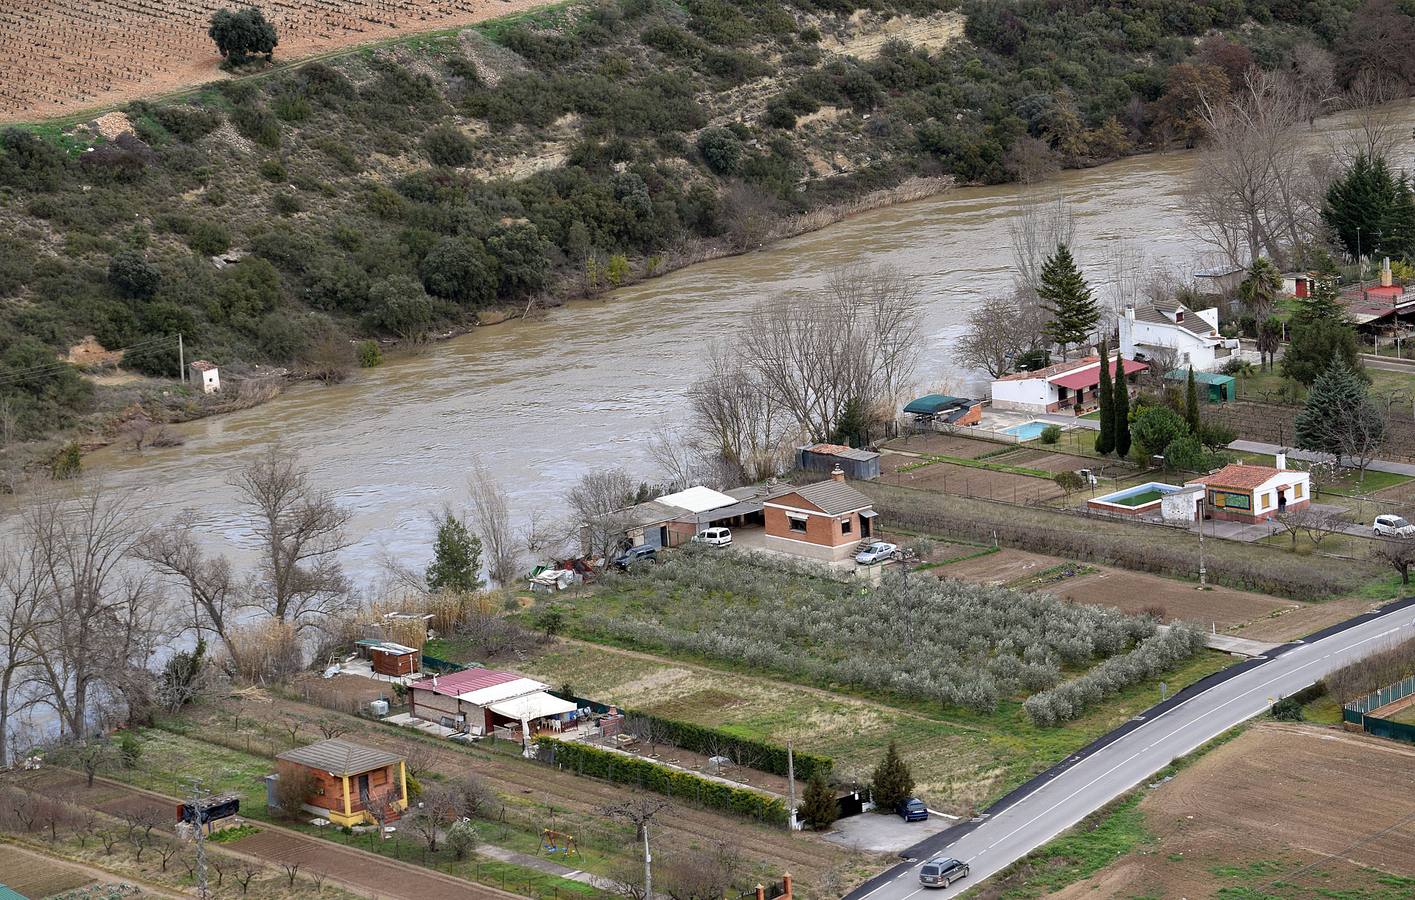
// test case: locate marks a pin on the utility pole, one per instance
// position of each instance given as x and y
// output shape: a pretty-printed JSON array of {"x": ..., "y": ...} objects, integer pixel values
[
  {"x": 1203, "y": 574},
  {"x": 648, "y": 864},
  {"x": 197, "y": 796},
  {"x": 181, "y": 359},
  {"x": 790, "y": 787}
]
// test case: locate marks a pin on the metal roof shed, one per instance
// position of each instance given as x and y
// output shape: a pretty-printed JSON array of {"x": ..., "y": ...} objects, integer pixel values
[
  {"x": 858, "y": 465},
  {"x": 933, "y": 404},
  {"x": 1221, "y": 388}
]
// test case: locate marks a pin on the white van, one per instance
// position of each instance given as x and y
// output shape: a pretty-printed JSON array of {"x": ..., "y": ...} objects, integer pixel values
[{"x": 714, "y": 537}]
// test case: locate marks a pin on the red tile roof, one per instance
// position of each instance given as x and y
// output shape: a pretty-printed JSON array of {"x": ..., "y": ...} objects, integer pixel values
[
  {"x": 464, "y": 682},
  {"x": 1054, "y": 369},
  {"x": 1090, "y": 377},
  {"x": 1241, "y": 477}
]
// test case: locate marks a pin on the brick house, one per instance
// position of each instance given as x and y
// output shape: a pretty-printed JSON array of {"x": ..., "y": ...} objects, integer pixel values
[
  {"x": 822, "y": 521},
  {"x": 1243, "y": 493},
  {"x": 349, "y": 779}
]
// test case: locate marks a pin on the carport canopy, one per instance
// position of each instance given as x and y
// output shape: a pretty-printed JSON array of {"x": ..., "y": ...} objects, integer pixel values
[
  {"x": 933, "y": 404},
  {"x": 533, "y": 706}
]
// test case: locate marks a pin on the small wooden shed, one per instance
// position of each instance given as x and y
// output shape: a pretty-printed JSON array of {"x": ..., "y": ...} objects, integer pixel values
[{"x": 389, "y": 658}]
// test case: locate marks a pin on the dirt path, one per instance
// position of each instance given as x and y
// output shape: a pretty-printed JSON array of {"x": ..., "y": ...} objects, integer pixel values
[{"x": 360, "y": 871}]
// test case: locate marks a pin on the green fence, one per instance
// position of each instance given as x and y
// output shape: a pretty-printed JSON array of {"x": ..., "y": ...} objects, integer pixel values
[{"x": 1357, "y": 712}]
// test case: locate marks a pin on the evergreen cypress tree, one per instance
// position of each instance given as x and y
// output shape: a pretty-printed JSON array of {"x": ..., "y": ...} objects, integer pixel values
[
  {"x": 818, "y": 807},
  {"x": 1191, "y": 403},
  {"x": 1361, "y": 205},
  {"x": 1105, "y": 441},
  {"x": 1066, "y": 296},
  {"x": 456, "y": 557},
  {"x": 891, "y": 783},
  {"x": 1120, "y": 409}
]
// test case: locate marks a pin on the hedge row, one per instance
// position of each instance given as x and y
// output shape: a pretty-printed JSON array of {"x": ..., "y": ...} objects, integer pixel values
[
  {"x": 617, "y": 767},
  {"x": 743, "y": 751},
  {"x": 1147, "y": 553}
]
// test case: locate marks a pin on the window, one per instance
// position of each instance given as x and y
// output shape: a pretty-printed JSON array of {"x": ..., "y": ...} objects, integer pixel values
[
  {"x": 796, "y": 523},
  {"x": 1297, "y": 492},
  {"x": 846, "y": 526},
  {"x": 1267, "y": 501},
  {"x": 379, "y": 777}
]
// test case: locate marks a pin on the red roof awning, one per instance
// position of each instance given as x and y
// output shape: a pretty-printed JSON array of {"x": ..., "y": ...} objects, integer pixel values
[{"x": 1092, "y": 377}]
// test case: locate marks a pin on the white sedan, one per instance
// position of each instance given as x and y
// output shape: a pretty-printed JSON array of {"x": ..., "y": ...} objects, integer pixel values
[{"x": 879, "y": 551}]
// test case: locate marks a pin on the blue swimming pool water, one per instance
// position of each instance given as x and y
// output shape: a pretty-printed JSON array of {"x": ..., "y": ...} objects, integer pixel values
[{"x": 1027, "y": 430}]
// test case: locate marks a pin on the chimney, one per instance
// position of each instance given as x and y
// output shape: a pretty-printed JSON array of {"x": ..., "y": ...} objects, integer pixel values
[
  {"x": 1281, "y": 461},
  {"x": 1130, "y": 312},
  {"x": 1385, "y": 272},
  {"x": 837, "y": 473}
]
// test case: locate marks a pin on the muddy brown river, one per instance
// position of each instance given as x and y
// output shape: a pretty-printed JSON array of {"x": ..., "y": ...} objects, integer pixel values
[{"x": 541, "y": 402}]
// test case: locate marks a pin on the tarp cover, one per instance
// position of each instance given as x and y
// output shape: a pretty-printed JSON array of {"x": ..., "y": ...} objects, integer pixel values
[
  {"x": 533, "y": 706},
  {"x": 933, "y": 404}
]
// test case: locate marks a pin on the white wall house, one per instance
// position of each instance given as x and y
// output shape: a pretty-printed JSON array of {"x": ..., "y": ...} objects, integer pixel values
[
  {"x": 206, "y": 376},
  {"x": 1071, "y": 386},
  {"x": 1148, "y": 330}
]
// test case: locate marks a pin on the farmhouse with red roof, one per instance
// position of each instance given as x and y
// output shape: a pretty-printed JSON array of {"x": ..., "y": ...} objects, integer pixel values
[{"x": 1072, "y": 386}]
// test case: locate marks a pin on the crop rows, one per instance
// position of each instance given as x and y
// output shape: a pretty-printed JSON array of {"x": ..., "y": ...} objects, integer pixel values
[
  {"x": 56, "y": 56},
  {"x": 960, "y": 644}
]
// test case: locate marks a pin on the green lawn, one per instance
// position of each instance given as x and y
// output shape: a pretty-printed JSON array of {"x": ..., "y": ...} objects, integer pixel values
[{"x": 1139, "y": 499}]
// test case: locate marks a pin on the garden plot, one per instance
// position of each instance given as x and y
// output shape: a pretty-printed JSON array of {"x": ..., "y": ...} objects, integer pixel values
[
  {"x": 1273, "y": 813},
  {"x": 944, "y": 445},
  {"x": 32, "y": 875},
  {"x": 947, "y": 642},
  {"x": 967, "y": 481}
]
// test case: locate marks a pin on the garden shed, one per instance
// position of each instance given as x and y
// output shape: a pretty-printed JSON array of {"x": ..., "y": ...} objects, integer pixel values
[
  {"x": 858, "y": 465},
  {"x": 945, "y": 409},
  {"x": 1214, "y": 387}
]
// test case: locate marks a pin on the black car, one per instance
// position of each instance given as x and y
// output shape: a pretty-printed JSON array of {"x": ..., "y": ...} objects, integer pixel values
[
  {"x": 634, "y": 555},
  {"x": 941, "y": 871},
  {"x": 912, "y": 810}
]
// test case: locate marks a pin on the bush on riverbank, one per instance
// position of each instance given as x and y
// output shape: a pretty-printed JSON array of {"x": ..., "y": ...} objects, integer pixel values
[{"x": 398, "y": 191}]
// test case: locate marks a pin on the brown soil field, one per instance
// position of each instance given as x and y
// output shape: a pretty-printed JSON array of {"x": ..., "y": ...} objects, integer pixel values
[
  {"x": 1280, "y": 811},
  {"x": 59, "y": 58},
  {"x": 942, "y": 444},
  {"x": 968, "y": 482},
  {"x": 34, "y": 875},
  {"x": 1304, "y": 619},
  {"x": 1135, "y": 592}
]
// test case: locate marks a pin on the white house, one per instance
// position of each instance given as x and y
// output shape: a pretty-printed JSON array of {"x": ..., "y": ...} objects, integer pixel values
[
  {"x": 1073, "y": 386},
  {"x": 1150, "y": 329},
  {"x": 206, "y": 376},
  {"x": 1244, "y": 493}
]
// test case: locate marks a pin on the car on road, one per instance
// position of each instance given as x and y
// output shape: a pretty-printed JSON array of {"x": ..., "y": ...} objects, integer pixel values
[
  {"x": 1392, "y": 526},
  {"x": 879, "y": 551},
  {"x": 912, "y": 810},
  {"x": 635, "y": 555},
  {"x": 714, "y": 537},
  {"x": 941, "y": 871}
]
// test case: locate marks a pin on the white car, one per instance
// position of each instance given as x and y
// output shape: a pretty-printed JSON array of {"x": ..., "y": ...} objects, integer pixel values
[
  {"x": 1393, "y": 526},
  {"x": 714, "y": 537},
  {"x": 877, "y": 552}
]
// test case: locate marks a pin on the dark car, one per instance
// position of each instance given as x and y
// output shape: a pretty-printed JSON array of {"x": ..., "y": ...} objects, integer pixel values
[
  {"x": 912, "y": 810},
  {"x": 634, "y": 555},
  {"x": 941, "y": 871}
]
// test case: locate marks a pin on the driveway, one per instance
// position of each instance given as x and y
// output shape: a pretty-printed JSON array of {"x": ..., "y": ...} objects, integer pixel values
[{"x": 885, "y": 833}]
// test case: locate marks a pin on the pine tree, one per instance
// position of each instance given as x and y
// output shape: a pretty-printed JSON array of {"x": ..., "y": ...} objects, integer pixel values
[
  {"x": 456, "y": 557},
  {"x": 1337, "y": 403},
  {"x": 1105, "y": 441},
  {"x": 1191, "y": 403},
  {"x": 891, "y": 783},
  {"x": 1120, "y": 409},
  {"x": 1066, "y": 296},
  {"x": 852, "y": 429},
  {"x": 818, "y": 808},
  {"x": 1361, "y": 206}
]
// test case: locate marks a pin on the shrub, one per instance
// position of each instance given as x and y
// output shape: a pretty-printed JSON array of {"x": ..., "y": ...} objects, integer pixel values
[
  {"x": 818, "y": 807},
  {"x": 650, "y": 776},
  {"x": 209, "y": 238},
  {"x": 1152, "y": 656},
  {"x": 273, "y": 170},
  {"x": 892, "y": 783},
  {"x": 370, "y": 356},
  {"x": 133, "y": 275},
  {"x": 67, "y": 463},
  {"x": 1288, "y": 709},
  {"x": 294, "y": 786},
  {"x": 1051, "y": 434},
  {"x": 705, "y": 739},
  {"x": 446, "y": 146},
  {"x": 720, "y": 149}
]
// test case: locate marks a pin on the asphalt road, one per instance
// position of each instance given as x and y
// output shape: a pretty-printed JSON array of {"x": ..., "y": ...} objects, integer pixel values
[{"x": 1091, "y": 778}]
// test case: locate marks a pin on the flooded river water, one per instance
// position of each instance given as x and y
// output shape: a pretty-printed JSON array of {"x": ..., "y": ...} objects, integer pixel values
[{"x": 541, "y": 402}]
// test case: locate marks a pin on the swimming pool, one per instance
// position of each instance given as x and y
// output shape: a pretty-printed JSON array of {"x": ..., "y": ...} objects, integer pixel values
[{"x": 1027, "y": 431}]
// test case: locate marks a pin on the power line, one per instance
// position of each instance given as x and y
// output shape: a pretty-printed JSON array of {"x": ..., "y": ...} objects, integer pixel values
[{"x": 11, "y": 376}]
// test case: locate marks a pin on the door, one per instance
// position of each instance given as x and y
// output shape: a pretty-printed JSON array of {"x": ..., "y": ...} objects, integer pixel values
[
  {"x": 866, "y": 526},
  {"x": 1281, "y": 500},
  {"x": 663, "y": 535}
]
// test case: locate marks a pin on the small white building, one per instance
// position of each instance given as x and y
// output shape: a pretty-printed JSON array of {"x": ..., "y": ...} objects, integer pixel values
[
  {"x": 206, "y": 376},
  {"x": 1071, "y": 386},
  {"x": 1151, "y": 329}
]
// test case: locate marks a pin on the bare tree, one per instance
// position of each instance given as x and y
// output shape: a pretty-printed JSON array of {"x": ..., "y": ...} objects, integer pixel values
[
  {"x": 438, "y": 807},
  {"x": 640, "y": 811},
  {"x": 208, "y": 580},
  {"x": 292, "y": 871},
  {"x": 816, "y": 354},
  {"x": 23, "y": 611},
  {"x": 1319, "y": 525},
  {"x": 1291, "y": 520},
  {"x": 737, "y": 420},
  {"x": 1315, "y": 73},
  {"x": 332, "y": 728},
  {"x": 90, "y": 756},
  {"x": 1396, "y": 553},
  {"x": 597, "y": 505},
  {"x": 492, "y": 512},
  {"x": 245, "y": 871},
  {"x": 1375, "y": 131},
  {"x": 301, "y": 533},
  {"x": 683, "y": 459},
  {"x": 383, "y": 806},
  {"x": 1252, "y": 193},
  {"x": 702, "y": 874},
  {"x": 166, "y": 849},
  {"x": 1000, "y": 330},
  {"x": 1039, "y": 225},
  {"x": 101, "y": 620},
  {"x": 9, "y": 419}
]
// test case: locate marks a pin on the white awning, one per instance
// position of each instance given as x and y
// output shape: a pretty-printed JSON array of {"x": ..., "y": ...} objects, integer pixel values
[{"x": 533, "y": 706}]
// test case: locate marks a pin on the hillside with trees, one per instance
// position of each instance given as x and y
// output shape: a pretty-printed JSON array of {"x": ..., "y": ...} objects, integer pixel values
[{"x": 400, "y": 191}]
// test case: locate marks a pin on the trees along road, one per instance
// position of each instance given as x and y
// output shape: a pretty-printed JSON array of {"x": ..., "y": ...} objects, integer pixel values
[{"x": 1088, "y": 780}]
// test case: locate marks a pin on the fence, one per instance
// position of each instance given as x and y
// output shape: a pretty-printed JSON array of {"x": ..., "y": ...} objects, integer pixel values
[{"x": 1357, "y": 712}]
